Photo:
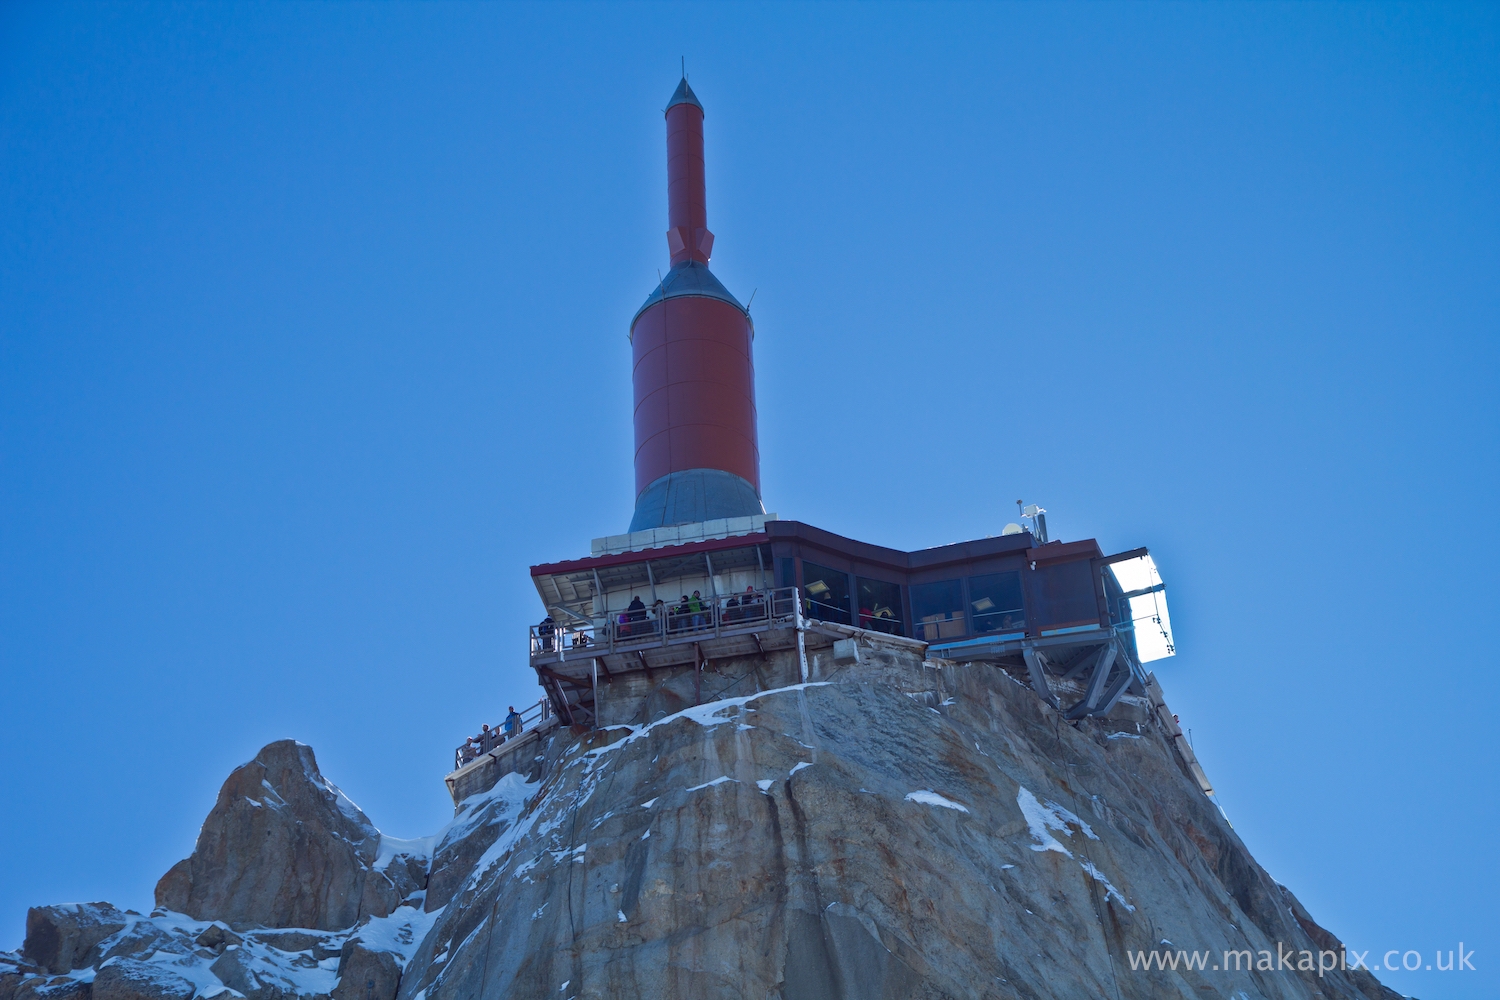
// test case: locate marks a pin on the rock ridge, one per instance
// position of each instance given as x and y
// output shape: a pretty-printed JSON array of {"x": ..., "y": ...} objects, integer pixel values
[{"x": 894, "y": 828}]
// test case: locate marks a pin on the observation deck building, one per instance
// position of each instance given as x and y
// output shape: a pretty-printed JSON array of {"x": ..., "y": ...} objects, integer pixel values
[{"x": 705, "y": 577}]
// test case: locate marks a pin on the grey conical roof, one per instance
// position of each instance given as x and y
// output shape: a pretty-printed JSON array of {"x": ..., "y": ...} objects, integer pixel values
[
  {"x": 684, "y": 95},
  {"x": 688, "y": 278}
]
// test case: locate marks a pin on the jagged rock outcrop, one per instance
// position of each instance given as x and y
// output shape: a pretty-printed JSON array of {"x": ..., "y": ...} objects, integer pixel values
[
  {"x": 366, "y": 974},
  {"x": 168, "y": 956},
  {"x": 128, "y": 979},
  {"x": 282, "y": 847},
  {"x": 17, "y": 982},
  {"x": 62, "y": 938},
  {"x": 288, "y": 881},
  {"x": 894, "y": 828}
]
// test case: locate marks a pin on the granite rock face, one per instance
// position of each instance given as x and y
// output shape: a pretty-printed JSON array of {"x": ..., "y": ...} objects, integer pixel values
[
  {"x": 282, "y": 847},
  {"x": 896, "y": 828},
  {"x": 893, "y": 828}
]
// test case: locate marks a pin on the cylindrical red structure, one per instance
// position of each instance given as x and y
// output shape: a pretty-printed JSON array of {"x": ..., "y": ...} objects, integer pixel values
[
  {"x": 687, "y": 192},
  {"x": 696, "y": 456}
]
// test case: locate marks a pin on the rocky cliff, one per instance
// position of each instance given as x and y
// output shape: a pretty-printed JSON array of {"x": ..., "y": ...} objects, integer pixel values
[{"x": 892, "y": 828}]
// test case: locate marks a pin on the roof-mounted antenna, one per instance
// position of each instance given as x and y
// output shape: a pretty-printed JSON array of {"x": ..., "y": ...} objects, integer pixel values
[
  {"x": 752, "y": 299},
  {"x": 1038, "y": 517}
]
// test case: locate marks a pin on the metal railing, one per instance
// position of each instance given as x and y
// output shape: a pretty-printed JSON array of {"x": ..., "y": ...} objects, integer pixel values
[
  {"x": 827, "y": 611},
  {"x": 664, "y": 624},
  {"x": 880, "y": 621},
  {"x": 489, "y": 739},
  {"x": 1013, "y": 620},
  {"x": 949, "y": 625}
]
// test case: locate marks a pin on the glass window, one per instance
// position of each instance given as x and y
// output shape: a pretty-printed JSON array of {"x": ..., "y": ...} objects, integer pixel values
[
  {"x": 1144, "y": 603},
  {"x": 938, "y": 610},
  {"x": 1064, "y": 595},
  {"x": 827, "y": 593},
  {"x": 879, "y": 605},
  {"x": 995, "y": 601}
]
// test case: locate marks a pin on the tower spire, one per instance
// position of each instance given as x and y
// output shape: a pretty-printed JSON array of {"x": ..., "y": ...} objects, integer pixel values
[
  {"x": 688, "y": 237},
  {"x": 696, "y": 454}
]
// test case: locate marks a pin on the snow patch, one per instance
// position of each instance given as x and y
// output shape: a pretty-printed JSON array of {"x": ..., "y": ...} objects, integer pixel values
[
  {"x": 764, "y": 784},
  {"x": 400, "y": 933},
  {"x": 927, "y": 797},
  {"x": 705, "y": 715},
  {"x": 510, "y": 793},
  {"x": 575, "y": 853},
  {"x": 392, "y": 848},
  {"x": 1109, "y": 889},
  {"x": 717, "y": 781},
  {"x": 1042, "y": 818},
  {"x": 799, "y": 767}
]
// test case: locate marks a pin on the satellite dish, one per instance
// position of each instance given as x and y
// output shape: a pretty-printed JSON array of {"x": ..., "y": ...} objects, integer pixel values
[{"x": 1012, "y": 529}]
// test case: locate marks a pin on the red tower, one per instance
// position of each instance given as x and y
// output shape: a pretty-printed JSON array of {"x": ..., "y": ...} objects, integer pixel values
[{"x": 696, "y": 457}]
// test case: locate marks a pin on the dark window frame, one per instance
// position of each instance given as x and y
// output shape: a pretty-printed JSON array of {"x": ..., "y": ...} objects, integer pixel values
[
  {"x": 944, "y": 628},
  {"x": 826, "y": 610},
  {"x": 891, "y": 624},
  {"x": 996, "y": 619}
]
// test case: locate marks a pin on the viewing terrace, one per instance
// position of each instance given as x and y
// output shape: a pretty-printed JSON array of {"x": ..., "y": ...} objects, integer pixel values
[{"x": 570, "y": 657}]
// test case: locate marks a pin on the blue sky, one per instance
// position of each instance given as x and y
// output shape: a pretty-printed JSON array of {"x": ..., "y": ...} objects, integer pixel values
[{"x": 312, "y": 340}]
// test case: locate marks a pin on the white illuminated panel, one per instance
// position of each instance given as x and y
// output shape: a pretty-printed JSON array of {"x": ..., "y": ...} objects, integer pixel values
[{"x": 1148, "y": 611}]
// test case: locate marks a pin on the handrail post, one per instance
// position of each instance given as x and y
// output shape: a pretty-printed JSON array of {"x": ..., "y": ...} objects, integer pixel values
[{"x": 801, "y": 640}]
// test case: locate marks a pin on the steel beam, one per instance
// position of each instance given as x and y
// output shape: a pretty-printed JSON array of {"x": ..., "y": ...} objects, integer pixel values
[
  {"x": 1038, "y": 675},
  {"x": 1090, "y": 700},
  {"x": 1101, "y": 674},
  {"x": 1115, "y": 691},
  {"x": 1079, "y": 665}
]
